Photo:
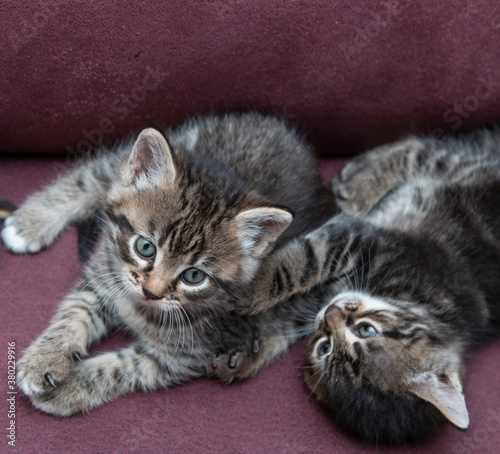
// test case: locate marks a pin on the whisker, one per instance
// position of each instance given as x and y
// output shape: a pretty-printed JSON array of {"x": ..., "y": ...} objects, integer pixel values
[
  {"x": 191, "y": 329},
  {"x": 177, "y": 340},
  {"x": 367, "y": 287},
  {"x": 317, "y": 383}
]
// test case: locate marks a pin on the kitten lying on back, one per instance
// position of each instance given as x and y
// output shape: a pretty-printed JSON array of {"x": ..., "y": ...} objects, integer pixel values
[
  {"x": 409, "y": 276},
  {"x": 186, "y": 222}
]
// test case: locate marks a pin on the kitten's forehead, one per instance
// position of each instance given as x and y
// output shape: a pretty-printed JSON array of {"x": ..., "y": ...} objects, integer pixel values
[
  {"x": 184, "y": 234},
  {"x": 152, "y": 211}
]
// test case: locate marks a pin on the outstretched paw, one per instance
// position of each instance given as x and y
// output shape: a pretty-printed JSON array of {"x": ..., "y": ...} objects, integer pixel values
[
  {"x": 44, "y": 367},
  {"x": 354, "y": 187},
  {"x": 17, "y": 239},
  {"x": 236, "y": 364},
  {"x": 73, "y": 395}
]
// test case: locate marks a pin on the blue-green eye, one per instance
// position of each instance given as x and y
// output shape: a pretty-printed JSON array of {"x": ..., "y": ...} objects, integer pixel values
[
  {"x": 193, "y": 276},
  {"x": 145, "y": 247},
  {"x": 324, "y": 348},
  {"x": 367, "y": 331}
]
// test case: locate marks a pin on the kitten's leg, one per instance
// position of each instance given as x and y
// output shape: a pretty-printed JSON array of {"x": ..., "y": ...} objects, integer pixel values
[
  {"x": 241, "y": 363},
  {"x": 97, "y": 380},
  {"x": 269, "y": 336},
  {"x": 71, "y": 198},
  {"x": 371, "y": 175},
  {"x": 328, "y": 254},
  {"x": 81, "y": 320}
]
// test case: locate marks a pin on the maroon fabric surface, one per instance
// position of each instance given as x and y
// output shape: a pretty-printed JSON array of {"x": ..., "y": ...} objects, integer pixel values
[
  {"x": 354, "y": 73},
  {"x": 272, "y": 412}
]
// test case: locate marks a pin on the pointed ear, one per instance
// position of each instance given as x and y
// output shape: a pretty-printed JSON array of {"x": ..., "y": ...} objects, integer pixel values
[
  {"x": 445, "y": 393},
  {"x": 150, "y": 161},
  {"x": 258, "y": 228}
]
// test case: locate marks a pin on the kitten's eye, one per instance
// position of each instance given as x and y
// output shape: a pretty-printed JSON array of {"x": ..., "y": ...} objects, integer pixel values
[
  {"x": 323, "y": 348},
  {"x": 193, "y": 276},
  {"x": 367, "y": 331},
  {"x": 145, "y": 247}
]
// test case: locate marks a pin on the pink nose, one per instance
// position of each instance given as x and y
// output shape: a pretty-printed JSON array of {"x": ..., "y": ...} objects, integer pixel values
[
  {"x": 150, "y": 295},
  {"x": 333, "y": 316},
  {"x": 331, "y": 308}
]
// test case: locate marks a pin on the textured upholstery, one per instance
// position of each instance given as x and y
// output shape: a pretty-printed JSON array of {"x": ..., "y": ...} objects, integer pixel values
[{"x": 353, "y": 73}]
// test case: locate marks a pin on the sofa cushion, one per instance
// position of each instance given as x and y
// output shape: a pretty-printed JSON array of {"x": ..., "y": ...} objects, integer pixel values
[
  {"x": 272, "y": 412},
  {"x": 353, "y": 73}
]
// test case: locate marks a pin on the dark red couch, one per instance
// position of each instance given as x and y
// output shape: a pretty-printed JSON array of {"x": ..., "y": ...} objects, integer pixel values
[{"x": 352, "y": 73}]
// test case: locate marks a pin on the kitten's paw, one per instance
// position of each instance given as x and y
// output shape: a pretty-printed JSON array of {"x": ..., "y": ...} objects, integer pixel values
[
  {"x": 353, "y": 186},
  {"x": 71, "y": 396},
  {"x": 44, "y": 367},
  {"x": 237, "y": 364},
  {"x": 17, "y": 240}
]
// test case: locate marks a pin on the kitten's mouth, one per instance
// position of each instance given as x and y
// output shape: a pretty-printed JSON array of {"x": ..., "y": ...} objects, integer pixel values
[
  {"x": 162, "y": 304},
  {"x": 148, "y": 302}
]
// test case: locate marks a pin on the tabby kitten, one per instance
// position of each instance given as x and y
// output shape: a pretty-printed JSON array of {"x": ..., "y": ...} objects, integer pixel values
[
  {"x": 409, "y": 275},
  {"x": 187, "y": 220}
]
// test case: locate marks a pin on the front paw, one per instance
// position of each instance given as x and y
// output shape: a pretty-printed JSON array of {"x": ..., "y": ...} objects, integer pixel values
[
  {"x": 236, "y": 364},
  {"x": 18, "y": 238},
  {"x": 70, "y": 397},
  {"x": 44, "y": 367},
  {"x": 348, "y": 186}
]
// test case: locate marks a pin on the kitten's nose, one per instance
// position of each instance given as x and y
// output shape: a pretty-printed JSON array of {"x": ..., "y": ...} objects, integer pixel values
[
  {"x": 333, "y": 315},
  {"x": 150, "y": 295},
  {"x": 331, "y": 308}
]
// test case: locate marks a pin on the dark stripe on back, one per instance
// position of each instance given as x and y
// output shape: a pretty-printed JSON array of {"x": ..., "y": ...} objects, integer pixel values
[
  {"x": 287, "y": 280},
  {"x": 277, "y": 284},
  {"x": 311, "y": 265}
]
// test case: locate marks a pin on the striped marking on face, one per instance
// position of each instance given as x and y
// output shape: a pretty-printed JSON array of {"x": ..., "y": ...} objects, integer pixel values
[{"x": 119, "y": 220}]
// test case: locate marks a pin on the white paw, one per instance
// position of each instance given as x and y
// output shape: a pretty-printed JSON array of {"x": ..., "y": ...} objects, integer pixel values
[
  {"x": 30, "y": 389},
  {"x": 15, "y": 242}
]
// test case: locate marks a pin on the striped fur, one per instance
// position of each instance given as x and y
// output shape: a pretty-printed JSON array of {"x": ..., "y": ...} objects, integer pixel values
[
  {"x": 217, "y": 196},
  {"x": 415, "y": 255}
]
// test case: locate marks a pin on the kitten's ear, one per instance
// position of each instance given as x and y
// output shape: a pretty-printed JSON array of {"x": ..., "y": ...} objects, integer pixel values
[
  {"x": 150, "y": 161},
  {"x": 258, "y": 228},
  {"x": 445, "y": 393}
]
